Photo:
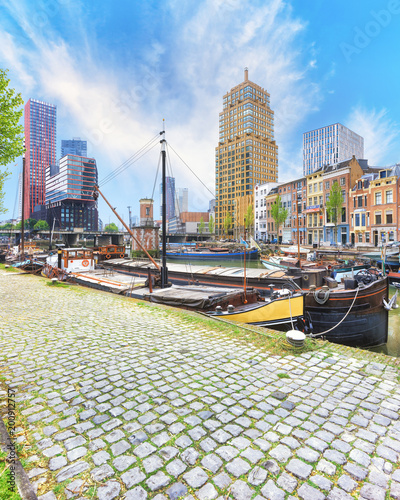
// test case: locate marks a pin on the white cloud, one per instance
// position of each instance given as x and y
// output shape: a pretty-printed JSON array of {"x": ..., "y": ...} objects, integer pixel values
[{"x": 381, "y": 134}]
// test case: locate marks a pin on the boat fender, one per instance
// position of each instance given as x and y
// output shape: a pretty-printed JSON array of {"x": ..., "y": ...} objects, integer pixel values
[
  {"x": 121, "y": 255},
  {"x": 108, "y": 256},
  {"x": 231, "y": 308}
]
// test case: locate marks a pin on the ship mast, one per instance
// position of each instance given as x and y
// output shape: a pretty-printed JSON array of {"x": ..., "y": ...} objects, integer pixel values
[{"x": 164, "y": 269}]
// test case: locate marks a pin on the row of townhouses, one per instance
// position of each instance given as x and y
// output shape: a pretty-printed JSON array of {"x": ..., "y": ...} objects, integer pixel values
[{"x": 370, "y": 212}]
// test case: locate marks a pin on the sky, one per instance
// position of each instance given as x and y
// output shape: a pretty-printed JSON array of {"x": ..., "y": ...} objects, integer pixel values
[{"x": 119, "y": 72}]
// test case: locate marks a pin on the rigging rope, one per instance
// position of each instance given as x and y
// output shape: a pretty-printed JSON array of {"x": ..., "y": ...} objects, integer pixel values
[
  {"x": 135, "y": 157},
  {"x": 198, "y": 178}
]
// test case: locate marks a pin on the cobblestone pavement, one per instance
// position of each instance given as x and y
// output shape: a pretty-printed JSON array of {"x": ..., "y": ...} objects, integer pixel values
[{"x": 130, "y": 401}]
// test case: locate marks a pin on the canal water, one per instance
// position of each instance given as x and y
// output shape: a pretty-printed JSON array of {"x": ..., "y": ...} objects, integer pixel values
[{"x": 392, "y": 348}]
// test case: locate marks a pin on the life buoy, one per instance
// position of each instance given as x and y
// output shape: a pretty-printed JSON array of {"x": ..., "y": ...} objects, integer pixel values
[
  {"x": 108, "y": 256},
  {"x": 121, "y": 255},
  {"x": 85, "y": 263}
]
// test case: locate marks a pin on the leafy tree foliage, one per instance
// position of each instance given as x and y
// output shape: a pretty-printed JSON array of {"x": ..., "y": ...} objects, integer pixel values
[
  {"x": 227, "y": 223},
  {"x": 211, "y": 225},
  {"x": 334, "y": 205},
  {"x": 11, "y": 133},
  {"x": 111, "y": 228},
  {"x": 249, "y": 218},
  {"x": 279, "y": 214},
  {"x": 41, "y": 225},
  {"x": 29, "y": 224},
  {"x": 201, "y": 225}
]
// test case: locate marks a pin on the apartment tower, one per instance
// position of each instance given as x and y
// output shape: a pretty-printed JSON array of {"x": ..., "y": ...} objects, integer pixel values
[
  {"x": 247, "y": 153},
  {"x": 329, "y": 145},
  {"x": 74, "y": 146},
  {"x": 40, "y": 143}
]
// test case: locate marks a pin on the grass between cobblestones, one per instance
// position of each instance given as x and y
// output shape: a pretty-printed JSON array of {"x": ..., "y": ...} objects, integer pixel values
[{"x": 257, "y": 344}]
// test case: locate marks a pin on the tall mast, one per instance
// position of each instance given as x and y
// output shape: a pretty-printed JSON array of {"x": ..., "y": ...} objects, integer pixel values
[
  {"x": 164, "y": 269},
  {"x": 22, "y": 242}
]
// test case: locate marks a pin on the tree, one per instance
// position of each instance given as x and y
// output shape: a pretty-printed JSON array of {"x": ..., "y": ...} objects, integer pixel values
[
  {"x": 211, "y": 225},
  {"x": 249, "y": 218},
  {"x": 279, "y": 214},
  {"x": 201, "y": 225},
  {"x": 8, "y": 225},
  {"x": 334, "y": 205},
  {"x": 29, "y": 224},
  {"x": 41, "y": 225},
  {"x": 111, "y": 228},
  {"x": 11, "y": 133},
  {"x": 227, "y": 223}
]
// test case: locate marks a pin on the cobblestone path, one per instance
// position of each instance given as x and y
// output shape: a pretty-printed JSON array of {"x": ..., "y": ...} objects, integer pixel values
[{"x": 138, "y": 402}]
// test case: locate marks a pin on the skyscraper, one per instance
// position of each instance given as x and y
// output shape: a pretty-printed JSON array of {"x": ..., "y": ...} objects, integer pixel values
[
  {"x": 169, "y": 197},
  {"x": 69, "y": 189},
  {"x": 74, "y": 147},
  {"x": 247, "y": 153},
  {"x": 181, "y": 201},
  {"x": 40, "y": 144},
  {"x": 328, "y": 145}
]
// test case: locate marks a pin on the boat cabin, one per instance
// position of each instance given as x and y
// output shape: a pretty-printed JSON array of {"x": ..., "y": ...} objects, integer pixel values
[
  {"x": 111, "y": 252},
  {"x": 73, "y": 259}
]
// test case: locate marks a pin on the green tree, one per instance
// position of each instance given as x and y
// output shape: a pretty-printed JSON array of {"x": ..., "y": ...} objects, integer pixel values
[
  {"x": 201, "y": 225},
  {"x": 249, "y": 219},
  {"x": 41, "y": 225},
  {"x": 11, "y": 133},
  {"x": 227, "y": 223},
  {"x": 279, "y": 214},
  {"x": 29, "y": 224},
  {"x": 8, "y": 225},
  {"x": 334, "y": 205},
  {"x": 111, "y": 228},
  {"x": 211, "y": 225}
]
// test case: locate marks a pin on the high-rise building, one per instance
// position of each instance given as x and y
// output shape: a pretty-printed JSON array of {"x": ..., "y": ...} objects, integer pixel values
[
  {"x": 169, "y": 197},
  {"x": 74, "y": 147},
  {"x": 181, "y": 201},
  {"x": 40, "y": 144},
  {"x": 69, "y": 193},
  {"x": 247, "y": 153},
  {"x": 329, "y": 145}
]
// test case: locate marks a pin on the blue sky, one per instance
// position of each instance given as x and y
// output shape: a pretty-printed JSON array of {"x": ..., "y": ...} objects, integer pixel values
[{"x": 115, "y": 70}]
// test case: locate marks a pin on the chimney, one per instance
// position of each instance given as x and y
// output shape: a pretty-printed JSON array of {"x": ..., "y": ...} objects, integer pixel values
[{"x": 246, "y": 74}]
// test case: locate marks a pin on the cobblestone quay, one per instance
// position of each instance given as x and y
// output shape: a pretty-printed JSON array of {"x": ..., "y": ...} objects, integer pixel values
[{"x": 124, "y": 400}]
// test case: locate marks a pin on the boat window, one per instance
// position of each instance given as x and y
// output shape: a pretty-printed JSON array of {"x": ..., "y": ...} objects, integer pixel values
[{"x": 72, "y": 254}]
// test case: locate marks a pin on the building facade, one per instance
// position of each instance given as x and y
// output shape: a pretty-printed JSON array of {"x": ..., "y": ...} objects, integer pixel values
[
  {"x": 40, "y": 124},
  {"x": 247, "y": 153},
  {"x": 74, "y": 146},
  {"x": 260, "y": 210},
  {"x": 330, "y": 145},
  {"x": 69, "y": 194}
]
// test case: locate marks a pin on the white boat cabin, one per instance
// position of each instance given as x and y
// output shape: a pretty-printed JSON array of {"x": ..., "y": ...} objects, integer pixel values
[{"x": 73, "y": 260}]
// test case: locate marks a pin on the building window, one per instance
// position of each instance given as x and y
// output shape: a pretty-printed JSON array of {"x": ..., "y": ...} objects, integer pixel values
[
  {"x": 378, "y": 218},
  {"x": 389, "y": 196},
  {"x": 342, "y": 181},
  {"x": 389, "y": 218},
  {"x": 378, "y": 198},
  {"x": 359, "y": 237},
  {"x": 326, "y": 184},
  {"x": 357, "y": 220},
  {"x": 366, "y": 237},
  {"x": 359, "y": 200}
]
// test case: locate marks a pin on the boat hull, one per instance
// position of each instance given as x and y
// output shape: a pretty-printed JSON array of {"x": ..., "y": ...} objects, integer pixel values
[
  {"x": 366, "y": 325},
  {"x": 279, "y": 314}
]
